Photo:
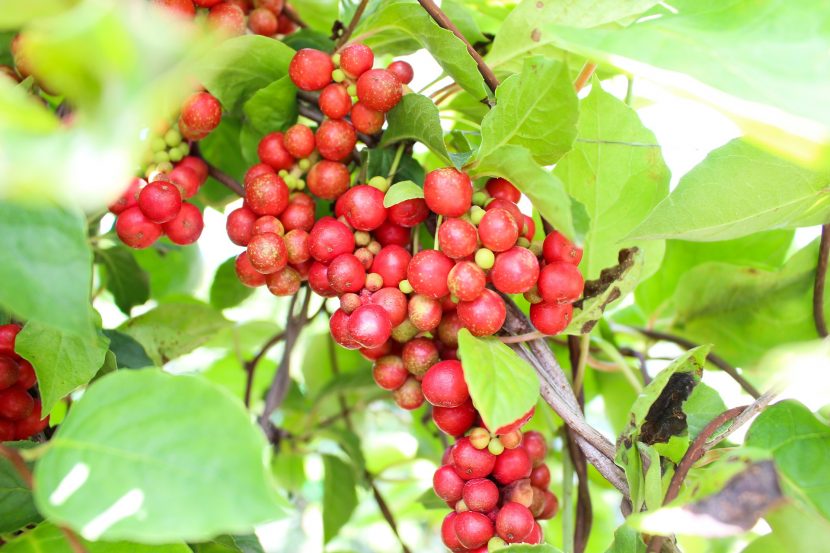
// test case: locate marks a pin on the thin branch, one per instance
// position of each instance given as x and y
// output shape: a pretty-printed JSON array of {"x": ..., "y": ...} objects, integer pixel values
[
  {"x": 289, "y": 12},
  {"x": 250, "y": 366},
  {"x": 222, "y": 177},
  {"x": 584, "y": 75},
  {"x": 443, "y": 21},
  {"x": 759, "y": 405},
  {"x": 344, "y": 37},
  {"x": 578, "y": 350},
  {"x": 821, "y": 278},
  {"x": 519, "y": 338},
  {"x": 716, "y": 360}
]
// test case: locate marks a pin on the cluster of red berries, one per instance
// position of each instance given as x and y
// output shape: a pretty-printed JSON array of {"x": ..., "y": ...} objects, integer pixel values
[
  {"x": 261, "y": 17},
  {"x": 19, "y": 409},
  {"x": 497, "y": 488}
]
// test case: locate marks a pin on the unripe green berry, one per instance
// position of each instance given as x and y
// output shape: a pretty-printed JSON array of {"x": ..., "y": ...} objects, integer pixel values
[
  {"x": 300, "y": 184},
  {"x": 304, "y": 165},
  {"x": 405, "y": 287},
  {"x": 158, "y": 144},
  {"x": 496, "y": 543},
  {"x": 532, "y": 295},
  {"x": 476, "y": 215},
  {"x": 338, "y": 76},
  {"x": 536, "y": 248},
  {"x": 479, "y": 437},
  {"x": 175, "y": 154},
  {"x": 481, "y": 197},
  {"x": 362, "y": 238},
  {"x": 495, "y": 447},
  {"x": 374, "y": 247},
  {"x": 352, "y": 90},
  {"x": 335, "y": 59},
  {"x": 283, "y": 173},
  {"x": 523, "y": 242},
  {"x": 164, "y": 167},
  {"x": 161, "y": 157},
  {"x": 454, "y": 298},
  {"x": 381, "y": 183},
  {"x": 485, "y": 258},
  {"x": 173, "y": 137},
  {"x": 404, "y": 332}
]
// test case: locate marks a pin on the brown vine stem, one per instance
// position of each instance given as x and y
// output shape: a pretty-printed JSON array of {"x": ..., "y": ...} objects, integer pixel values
[
  {"x": 250, "y": 366},
  {"x": 222, "y": 177},
  {"x": 292, "y": 14},
  {"x": 358, "y": 13},
  {"x": 716, "y": 360},
  {"x": 443, "y": 21},
  {"x": 821, "y": 279},
  {"x": 519, "y": 338},
  {"x": 585, "y": 75},
  {"x": 578, "y": 351}
]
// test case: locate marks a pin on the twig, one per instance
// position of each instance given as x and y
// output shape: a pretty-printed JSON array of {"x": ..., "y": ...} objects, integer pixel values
[
  {"x": 292, "y": 14},
  {"x": 344, "y": 37},
  {"x": 584, "y": 75},
  {"x": 716, "y": 360},
  {"x": 222, "y": 177},
  {"x": 759, "y": 405},
  {"x": 821, "y": 277},
  {"x": 250, "y": 366},
  {"x": 578, "y": 349},
  {"x": 443, "y": 21},
  {"x": 519, "y": 338},
  {"x": 631, "y": 352}
]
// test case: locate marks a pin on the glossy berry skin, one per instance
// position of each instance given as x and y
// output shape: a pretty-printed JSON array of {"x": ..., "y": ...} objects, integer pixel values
[
  {"x": 369, "y": 325},
  {"x": 299, "y": 141},
  {"x": 444, "y": 385},
  {"x": 15, "y": 403},
  {"x": 186, "y": 227},
  {"x": 389, "y": 372},
  {"x": 457, "y": 238},
  {"x": 8, "y": 433},
  {"x": 267, "y": 194},
  {"x": 335, "y": 102},
  {"x": 8, "y": 335},
  {"x": 514, "y": 522},
  {"x": 339, "y": 329},
  {"x": 201, "y": 113},
  {"x": 558, "y": 249},
  {"x": 310, "y": 69},
  {"x": 409, "y": 213},
  {"x": 419, "y": 355},
  {"x": 534, "y": 444},
  {"x": 373, "y": 354},
  {"x": 240, "y": 225},
  {"x": 268, "y": 223},
  {"x": 246, "y": 273},
  {"x": 448, "y": 535},
  {"x": 424, "y": 312},
  {"x": 512, "y": 465},
  {"x": 551, "y": 506},
  {"x": 498, "y": 230},
  {"x": 470, "y": 462},
  {"x": 366, "y": 120},
  {"x": 346, "y": 274},
  {"x": 409, "y": 395},
  {"x": 266, "y": 253},
  {"x": 186, "y": 180},
  {"x": 296, "y": 246},
  {"x": 389, "y": 234},
  {"x": 285, "y": 282},
  {"x": 394, "y": 302},
  {"x": 455, "y": 421},
  {"x": 330, "y": 238},
  {"x": 263, "y": 21},
  {"x": 540, "y": 477},
  {"x": 378, "y": 89},
  {"x": 560, "y": 283},
  {"x": 297, "y": 216},
  {"x": 530, "y": 227},
  {"x": 473, "y": 529},
  {"x": 335, "y": 139},
  {"x": 428, "y": 271},
  {"x": 363, "y": 207},
  {"x": 256, "y": 170},
  {"x": 27, "y": 378},
  {"x": 448, "y": 192},
  {"x": 480, "y": 494},
  {"x": 391, "y": 264},
  {"x": 328, "y": 179},
  {"x": 9, "y": 372},
  {"x": 515, "y": 271},
  {"x": 129, "y": 198},
  {"x": 402, "y": 70},
  {"x": 551, "y": 318},
  {"x": 503, "y": 189},
  {"x": 31, "y": 424},
  {"x": 318, "y": 280},
  {"x": 356, "y": 59},
  {"x": 448, "y": 329},
  {"x": 484, "y": 315},
  {"x": 206, "y": 3},
  {"x": 160, "y": 201},
  {"x": 466, "y": 281},
  {"x": 136, "y": 230},
  {"x": 197, "y": 165},
  {"x": 447, "y": 484},
  {"x": 271, "y": 151},
  {"x": 510, "y": 207}
]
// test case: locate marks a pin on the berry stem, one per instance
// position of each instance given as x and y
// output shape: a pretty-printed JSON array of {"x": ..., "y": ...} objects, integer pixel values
[
  {"x": 222, "y": 177},
  {"x": 396, "y": 162},
  {"x": 250, "y": 366},
  {"x": 821, "y": 278},
  {"x": 292, "y": 14},
  {"x": 608, "y": 349},
  {"x": 584, "y": 75},
  {"x": 358, "y": 13}
]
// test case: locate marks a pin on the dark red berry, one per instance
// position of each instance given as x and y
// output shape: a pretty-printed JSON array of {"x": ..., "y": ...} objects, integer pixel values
[
  {"x": 448, "y": 535},
  {"x": 136, "y": 230},
  {"x": 424, "y": 312},
  {"x": 330, "y": 238},
  {"x": 335, "y": 102},
  {"x": 246, "y": 272},
  {"x": 534, "y": 443},
  {"x": 558, "y": 249},
  {"x": 514, "y": 522},
  {"x": 510, "y": 207},
  {"x": 186, "y": 180},
  {"x": 356, "y": 59},
  {"x": 470, "y": 462},
  {"x": 318, "y": 280},
  {"x": 8, "y": 334},
  {"x": 373, "y": 354},
  {"x": 480, "y": 494},
  {"x": 160, "y": 201},
  {"x": 448, "y": 329},
  {"x": 263, "y": 21},
  {"x": 201, "y": 113},
  {"x": 389, "y": 372},
  {"x": 540, "y": 477},
  {"x": 560, "y": 283},
  {"x": 428, "y": 271},
  {"x": 362, "y": 206},
  {"x": 503, "y": 189},
  {"x": 285, "y": 282},
  {"x": 457, "y": 238},
  {"x": 8, "y": 432},
  {"x": 31, "y": 424},
  {"x": 267, "y": 194},
  {"x": 530, "y": 227},
  {"x": 369, "y": 325},
  {"x": 448, "y": 192},
  {"x": 409, "y": 395},
  {"x": 129, "y": 198},
  {"x": 27, "y": 377},
  {"x": 266, "y": 253},
  {"x": 346, "y": 274},
  {"x": 287, "y": 25},
  {"x": 272, "y": 151},
  {"x": 498, "y": 230},
  {"x": 186, "y": 227},
  {"x": 455, "y": 421},
  {"x": 389, "y": 234},
  {"x": 197, "y": 165},
  {"x": 391, "y": 264},
  {"x": 447, "y": 484},
  {"x": 9, "y": 372},
  {"x": 15, "y": 403},
  {"x": 299, "y": 141},
  {"x": 297, "y": 246},
  {"x": 365, "y": 120},
  {"x": 484, "y": 315},
  {"x": 402, "y": 70},
  {"x": 328, "y": 179},
  {"x": 409, "y": 213},
  {"x": 515, "y": 271},
  {"x": 339, "y": 328},
  {"x": 378, "y": 89},
  {"x": 466, "y": 281},
  {"x": 311, "y": 69},
  {"x": 419, "y": 355},
  {"x": 551, "y": 506},
  {"x": 551, "y": 318},
  {"x": 473, "y": 529},
  {"x": 297, "y": 216},
  {"x": 444, "y": 384},
  {"x": 240, "y": 225}
]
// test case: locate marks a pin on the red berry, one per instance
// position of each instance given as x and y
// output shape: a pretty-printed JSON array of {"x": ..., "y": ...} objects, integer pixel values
[
  {"x": 160, "y": 201},
  {"x": 266, "y": 253},
  {"x": 362, "y": 206},
  {"x": 391, "y": 264},
  {"x": 457, "y": 238},
  {"x": 530, "y": 227},
  {"x": 27, "y": 377},
  {"x": 378, "y": 89},
  {"x": 409, "y": 213},
  {"x": 444, "y": 384},
  {"x": 302, "y": 199},
  {"x": 8, "y": 431},
  {"x": 373, "y": 354},
  {"x": 272, "y": 151},
  {"x": 409, "y": 395},
  {"x": 480, "y": 494},
  {"x": 186, "y": 180},
  {"x": 428, "y": 271},
  {"x": 365, "y": 120},
  {"x": 484, "y": 315},
  {"x": 560, "y": 283},
  {"x": 540, "y": 477},
  {"x": 287, "y": 25},
  {"x": 31, "y": 425},
  {"x": 369, "y": 325},
  {"x": 186, "y": 227},
  {"x": 15, "y": 403},
  {"x": 448, "y": 192},
  {"x": 356, "y": 59},
  {"x": 335, "y": 139},
  {"x": 197, "y": 165},
  {"x": 201, "y": 113},
  {"x": 455, "y": 421},
  {"x": 389, "y": 372},
  {"x": 448, "y": 329},
  {"x": 273, "y": 5},
  {"x": 473, "y": 529},
  {"x": 129, "y": 198},
  {"x": 558, "y": 249},
  {"x": 419, "y": 355},
  {"x": 551, "y": 506},
  {"x": 329, "y": 238},
  {"x": 511, "y": 208},
  {"x": 268, "y": 223},
  {"x": 402, "y": 70},
  {"x": 246, "y": 272},
  {"x": 534, "y": 443},
  {"x": 256, "y": 170},
  {"x": 298, "y": 216},
  {"x": 394, "y": 302},
  {"x": 447, "y": 484},
  {"x": 346, "y": 274},
  {"x": 136, "y": 230},
  {"x": 335, "y": 102},
  {"x": 535, "y": 537},
  {"x": 296, "y": 246},
  {"x": 512, "y": 465},
  {"x": 318, "y": 280},
  {"x": 8, "y": 334},
  {"x": 503, "y": 189},
  {"x": 498, "y": 230},
  {"x": 206, "y": 3},
  {"x": 339, "y": 328},
  {"x": 179, "y": 7},
  {"x": 299, "y": 141},
  {"x": 9, "y": 372},
  {"x": 514, "y": 522},
  {"x": 311, "y": 69},
  {"x": 263, "y": 21},
  {"x": 551, "y": 318},
  {"x": 470, "y": 462},
  {"x": 466, "y": 281},
  {"x": 328, "y": 179},
  {"x": 240, "y": 225},
  {"x": 448, "y": 535},
  {"x": 515, "y": 271},
  {"x": 424, "y": 312},
  {"x": 267, "y": 194},
  {"x": 389, "y": 234},
  {"x": 285, "y": 282}
]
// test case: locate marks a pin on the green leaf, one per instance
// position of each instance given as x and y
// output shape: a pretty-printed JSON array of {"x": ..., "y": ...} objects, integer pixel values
[
  {"x": 537, "y": 109},
  {"x": 319, "y": 14},
  {"x": 653, "y": 484},
  {"x": 227, "y": 147},
  {"x": 173, "y": 329},
  {"x": 701, "y": 208},
  {"x": 14, "y": 15},
  {"x": 502, "y": 385},
  {"x": 48, "y": 537},
  {"x": 799, "y": 443},
  {"x": 17, "y": 508},
  {"x": 148, "y": 456},
  {"x": 401, "y": 192},
  {"x": 627, "y": 540},
  {"x": 416, "y": 118},
  {"x": 22, "y": 112},
  {"x": 339, "y": 496},
  {"x": 237, "y": 68},
  {"x": 401, "y": 27},
  {"x": 615, "y": 161},
  {"x": 379, "y": 162},
  {"x": 63, "y": 361},
  {"x": 45, "y": 266},
  {"x": 124, "y": 278},
  {"x": 226, "y": 290},
  {"x": 462, "y": 17},
  {"x": 129, "y": 354},
  {"x": 309, "y": 38},
  {"x": 272, "y": 108},
  {"x": 544, "y": 189},
  {"x": 173, "y": 270},
  {"x": 702, "y": 406},
  {"x": 794, "y": 528}
]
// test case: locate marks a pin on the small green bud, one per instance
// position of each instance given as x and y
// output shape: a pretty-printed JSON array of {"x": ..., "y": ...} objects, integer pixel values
[
  {"x": 496, "y": 543},
  {"x": 283, "y": 174},
  {"x": 173, "y": 137},
  {"x": 495, "y": 447},
  {"x": 476, "y": 215},
  {"x": 485, "y": 258},
  {"x": 300, "y": 184},
  {"x": 304, "y": 164},
  {"x": 335, "y": 59},
  {"x": 164, "y": 167},
  {"x": 523, "y": 242},
  {"x": 404, "y": 332},
  {"x": 381, "y": 183},
  {"x": 460, "y": 506},
  {"x": 338, "y": 76},
  {"x": 536, "y": 248},
  {"x": 158, "y": 144},
  {"x": 161, "y": 157},
  {"x": 374, "y": 247},
  {"x": 405, "y": 287},
  {"x": 175, "y": 154},
  {"x": 480, "y": 197},
  {"x": 352, "y": 90}
]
